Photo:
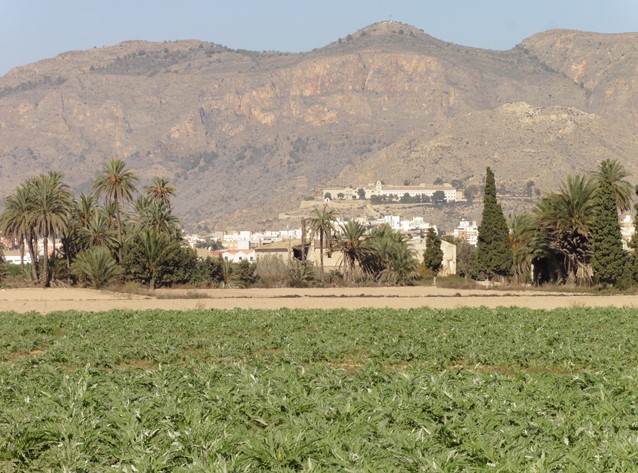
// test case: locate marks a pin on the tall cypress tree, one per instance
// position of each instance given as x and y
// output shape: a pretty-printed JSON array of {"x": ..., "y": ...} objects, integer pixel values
[
  {"x": 433, "y": 254},
  {"x": 608, "y": 257},
  {"x": 493, "y": 250}
]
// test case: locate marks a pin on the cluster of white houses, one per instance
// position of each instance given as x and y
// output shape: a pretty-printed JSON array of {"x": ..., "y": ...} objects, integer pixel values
[
  {"x": 287, "y": 244},
  {"x": 391, "y": 191}
]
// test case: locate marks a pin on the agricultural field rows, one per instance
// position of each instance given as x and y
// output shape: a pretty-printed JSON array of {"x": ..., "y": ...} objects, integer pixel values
[{"x": 307, "y": 390}]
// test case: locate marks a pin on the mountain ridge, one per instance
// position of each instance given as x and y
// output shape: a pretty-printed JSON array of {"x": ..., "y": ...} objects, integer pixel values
[{"x": 245, "y": 135}]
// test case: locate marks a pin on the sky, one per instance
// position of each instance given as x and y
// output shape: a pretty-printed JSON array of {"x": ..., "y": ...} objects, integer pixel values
[{"x": 31, "y": 30}]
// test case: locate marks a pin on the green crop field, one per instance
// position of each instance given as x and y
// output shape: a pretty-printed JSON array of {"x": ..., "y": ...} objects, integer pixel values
[{"x": 371, "y": 390}]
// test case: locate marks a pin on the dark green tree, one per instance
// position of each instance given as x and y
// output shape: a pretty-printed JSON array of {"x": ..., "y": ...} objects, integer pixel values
[
  {"x": 439, "y": 197},
  {"x": 493, "y": 251},
  {"x": 464, "y": 258},
  {"x": 246, "y": 273},
  {"x": 433, "y": 254},
  {"x": 608, "y": 257}
]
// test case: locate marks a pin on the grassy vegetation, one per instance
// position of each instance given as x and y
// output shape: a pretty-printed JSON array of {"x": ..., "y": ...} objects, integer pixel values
[{"x": 369, "y": 390}]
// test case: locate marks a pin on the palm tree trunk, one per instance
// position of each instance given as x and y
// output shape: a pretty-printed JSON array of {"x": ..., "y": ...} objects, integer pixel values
[
  {"x": 321, "y": 253},
  {"x": 44, "y": 277},
  {"x": 21, "y": 248},
  {"x": 32, "y": 241}
]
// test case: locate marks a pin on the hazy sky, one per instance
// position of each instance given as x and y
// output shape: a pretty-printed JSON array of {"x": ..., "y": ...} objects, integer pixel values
[{"x": 36, "y": 29}]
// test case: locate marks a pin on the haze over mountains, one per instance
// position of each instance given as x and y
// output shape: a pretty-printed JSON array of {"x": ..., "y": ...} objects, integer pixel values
[{"x": 246, "y": 135}]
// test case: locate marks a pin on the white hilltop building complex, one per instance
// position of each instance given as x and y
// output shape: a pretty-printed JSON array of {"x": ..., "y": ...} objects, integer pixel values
[{"x": 379, "y": 189}]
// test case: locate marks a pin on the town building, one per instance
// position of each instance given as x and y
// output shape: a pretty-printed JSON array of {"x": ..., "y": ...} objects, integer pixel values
[
  {"x": 467, "y": 231},
  {"x": 627, "y": 230},
  {"x": 235, "y": 256},
  {"x": 392, "y": 191}
]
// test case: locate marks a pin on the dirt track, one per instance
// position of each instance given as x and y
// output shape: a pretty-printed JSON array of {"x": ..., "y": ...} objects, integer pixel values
[{"x": 49, "y": 300}]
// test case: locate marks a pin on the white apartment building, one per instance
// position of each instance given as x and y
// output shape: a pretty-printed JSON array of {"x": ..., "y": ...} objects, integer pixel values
[{"x": 467, "y": 231}]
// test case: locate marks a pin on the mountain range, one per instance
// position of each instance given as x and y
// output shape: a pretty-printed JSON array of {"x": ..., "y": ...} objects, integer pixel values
[{"x": 246, "y": 136}]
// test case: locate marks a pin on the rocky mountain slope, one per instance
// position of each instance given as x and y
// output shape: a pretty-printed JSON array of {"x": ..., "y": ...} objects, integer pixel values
[{"x": 246, "y": 135}]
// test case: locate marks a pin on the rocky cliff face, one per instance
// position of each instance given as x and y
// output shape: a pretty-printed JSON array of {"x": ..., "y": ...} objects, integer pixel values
[{"x": 246, "y": 135}]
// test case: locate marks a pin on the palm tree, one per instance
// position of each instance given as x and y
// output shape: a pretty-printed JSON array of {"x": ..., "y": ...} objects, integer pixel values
[
  {"x": 117, "y": 185},
  {"x": 98, "y": 232},
  {"x": 156, "y": 247},
  {"x": 322, "y": 223},
  {"x": 565, "y": 219},
  {"x": 50, "y": 210},
  {"x": 158, "y": 216},
  {"x": 97, "y": 266},
  {"x": 351, "y": 244},
  {"x": 159, "y": 190},
  {"x": 15, "y": 222},
  {"x": 522, "y": 232},
  {"x": 85, "y": 209},
  {"x": 388, "y": 257},
  {"x": 612, "y": 171}
]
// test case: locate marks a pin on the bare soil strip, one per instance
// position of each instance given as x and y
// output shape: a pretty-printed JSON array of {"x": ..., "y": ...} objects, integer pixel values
[{"x": 50, "y": 300}]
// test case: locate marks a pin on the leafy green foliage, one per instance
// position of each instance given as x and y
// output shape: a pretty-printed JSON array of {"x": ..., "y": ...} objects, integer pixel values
[
  {"x": 371, "y": 390},
  {"x": 493, "y": 251},
  {"x": 387, "y": 257},
  {"x": 433, "y": 254},
  {"x": 96, "y": 266},
  {"x": 246, "y": 273},
  {"x": 156, "y": 259}
]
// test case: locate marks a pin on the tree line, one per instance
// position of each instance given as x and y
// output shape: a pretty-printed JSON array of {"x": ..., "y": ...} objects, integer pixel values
[
  {"x": 116, "y": 234},
  {"x": 570, "y": 237}
]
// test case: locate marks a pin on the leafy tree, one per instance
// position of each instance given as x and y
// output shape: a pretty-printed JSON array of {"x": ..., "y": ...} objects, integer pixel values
[
  {"x": 522, "y": 233},
  {"x": 493, "y": 250},
  {"x": 388, "y": 258},
  {"x": 227, "y": 273},
  {"x": 117, "y": 184},
  {"x": 322, "y": 222},
  {"x": 439, "y": 197},
  {"x": 158, "y": 216},
  {"x": 610, "y": 170},
  {"x": 433, "y": 254},
  {"x": 97, "y": 266},
  {"x": 148, "y": 257},
  {"x": 246, "y": 273},
  {"x": 96, "y": 231},
  {"x": 361, "y": 193},
  {"x": 464, "y": 258},
  {"x": 470, "y": 192},
  {"x": 608, "y": 258},
  {"x": 50, "y": 211},
  {"x": 350, "y": 242},
  {"x": 564, "y": 220},
  {"x": 15, "y": 223},
  {"x": 207, "y": 271}
]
